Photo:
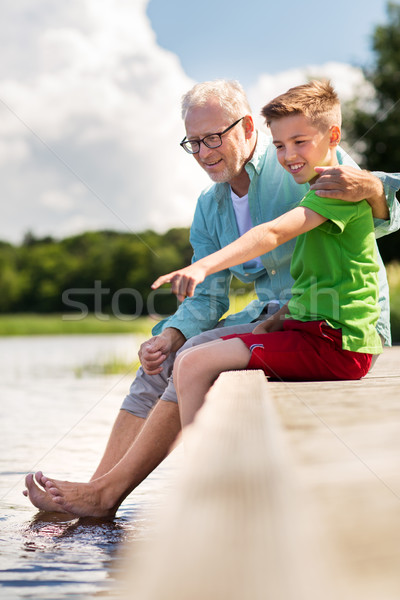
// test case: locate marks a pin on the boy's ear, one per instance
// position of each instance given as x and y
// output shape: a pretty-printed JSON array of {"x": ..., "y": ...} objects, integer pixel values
[{"x": 334, "y": 135}]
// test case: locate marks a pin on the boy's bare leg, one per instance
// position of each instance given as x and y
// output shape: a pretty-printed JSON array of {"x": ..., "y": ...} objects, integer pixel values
[
  {"x": 102, "y": 496},
  {"x": 197, "y": 368}
]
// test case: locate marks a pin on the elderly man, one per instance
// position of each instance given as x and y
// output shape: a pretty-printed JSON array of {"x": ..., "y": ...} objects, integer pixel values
[{"x": 249, "y": 188}]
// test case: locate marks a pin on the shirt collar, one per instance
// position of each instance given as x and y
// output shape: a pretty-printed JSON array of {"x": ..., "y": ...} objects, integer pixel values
[{"x": 257, "y": 160}]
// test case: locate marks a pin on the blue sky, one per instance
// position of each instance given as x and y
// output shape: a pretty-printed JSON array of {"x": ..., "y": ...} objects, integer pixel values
[
  {"x": 90, "y": 96},
  {"x": 220, "y": 39}
]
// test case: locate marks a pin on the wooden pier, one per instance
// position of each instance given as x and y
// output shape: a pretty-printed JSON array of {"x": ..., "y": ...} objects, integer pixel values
[
  {"x": 345, "y": 443},
  {"x": 289, "y": 491}
]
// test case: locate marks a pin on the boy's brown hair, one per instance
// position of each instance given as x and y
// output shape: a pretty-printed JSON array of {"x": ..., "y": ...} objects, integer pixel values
[{"x": 316, "y": 100}]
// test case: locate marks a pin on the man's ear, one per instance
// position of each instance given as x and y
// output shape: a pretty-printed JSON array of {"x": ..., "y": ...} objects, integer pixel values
[
  {"x": 248, "y": 126},
  {"x": 334, "y": 137}
]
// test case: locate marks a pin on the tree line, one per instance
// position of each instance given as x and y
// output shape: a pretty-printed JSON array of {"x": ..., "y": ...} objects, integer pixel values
[
  {"x": 104, "y": 272},
  {"x": 91, "y": 270}
]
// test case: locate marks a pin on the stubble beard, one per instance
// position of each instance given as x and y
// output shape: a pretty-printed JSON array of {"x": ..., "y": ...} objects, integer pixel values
[{"x": 231, "y": 170}]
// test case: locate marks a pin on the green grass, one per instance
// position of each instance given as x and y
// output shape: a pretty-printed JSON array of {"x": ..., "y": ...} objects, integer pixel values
[
  {"x": 56, "y": 324},
  {"x": 239, "y": 300},
  {"x": 36, "y": 324},
  {"x": 393, "y": 273}
]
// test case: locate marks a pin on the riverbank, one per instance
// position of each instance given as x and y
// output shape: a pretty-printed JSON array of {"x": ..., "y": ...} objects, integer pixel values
[
  {"x": 56, "y": 324},
  {"x": 64, "y": 324}
]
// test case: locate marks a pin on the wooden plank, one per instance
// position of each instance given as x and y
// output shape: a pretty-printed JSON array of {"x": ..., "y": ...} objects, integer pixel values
[
  {"x": 289, "y": 491},
  {"x": 345, "y": 440},
  {"x": 235, "y": 524}
]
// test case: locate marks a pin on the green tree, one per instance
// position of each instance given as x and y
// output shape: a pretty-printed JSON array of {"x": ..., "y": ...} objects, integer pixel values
[
  {"x": 13, "y": 283},
  {"x": 375, "y": 129},
  {"x": 105, "y": 271}
]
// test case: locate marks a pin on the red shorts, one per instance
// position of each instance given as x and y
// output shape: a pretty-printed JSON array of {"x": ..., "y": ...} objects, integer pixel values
[{"x": 304, "y": 351}]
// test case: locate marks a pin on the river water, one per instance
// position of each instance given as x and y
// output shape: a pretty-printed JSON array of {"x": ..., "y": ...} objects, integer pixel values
[{"x": 56, "y": 415}]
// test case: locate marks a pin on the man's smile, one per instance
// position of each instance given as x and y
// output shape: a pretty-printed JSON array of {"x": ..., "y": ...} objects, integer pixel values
[{"x": 213, "y": 163}]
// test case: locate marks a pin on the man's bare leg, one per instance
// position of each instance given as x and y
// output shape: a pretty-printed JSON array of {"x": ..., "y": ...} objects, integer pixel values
[
  {"x": 102, "y": 496},
  {"x": 125, "y": 430},
  {"x": 38, "y": 496}
]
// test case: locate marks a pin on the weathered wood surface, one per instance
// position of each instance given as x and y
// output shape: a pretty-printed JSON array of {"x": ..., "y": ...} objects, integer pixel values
[
  {"x": 289, "y": 491},
  {"x": 344, "y": 439}
]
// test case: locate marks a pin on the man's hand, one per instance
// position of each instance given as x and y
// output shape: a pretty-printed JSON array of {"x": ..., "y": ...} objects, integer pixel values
[
  {"x": 273, "y": 323},
  {"x": 351, "y": 184},
  {"x": 154, "y": 351}
]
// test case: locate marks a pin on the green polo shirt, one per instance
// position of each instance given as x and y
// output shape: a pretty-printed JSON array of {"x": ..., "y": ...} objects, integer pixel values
[{"x": 336, "y": 273}]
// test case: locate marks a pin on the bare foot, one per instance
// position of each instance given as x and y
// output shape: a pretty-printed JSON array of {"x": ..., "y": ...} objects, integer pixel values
[
  {"x": 40, "y": 497},
  {"x": 81, "y": 499}
]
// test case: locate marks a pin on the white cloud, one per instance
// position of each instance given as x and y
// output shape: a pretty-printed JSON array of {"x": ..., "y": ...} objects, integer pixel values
[
  {"x": 58, "y": 200},
  {"x": 89, "y": 132},
  {"x": 90, "y": 119},
  {"x": 347, "y": 80}
]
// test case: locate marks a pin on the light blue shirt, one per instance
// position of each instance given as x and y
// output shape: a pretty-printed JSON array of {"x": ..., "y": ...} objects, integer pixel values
[{"x": 272, "y": 192}]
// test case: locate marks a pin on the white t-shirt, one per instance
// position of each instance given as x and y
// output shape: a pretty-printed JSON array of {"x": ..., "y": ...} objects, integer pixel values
[{"x": 243, "y": 220}]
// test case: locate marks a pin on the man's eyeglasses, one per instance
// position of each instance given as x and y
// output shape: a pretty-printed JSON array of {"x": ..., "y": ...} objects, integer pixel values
[{"x": 213, "y": 140}]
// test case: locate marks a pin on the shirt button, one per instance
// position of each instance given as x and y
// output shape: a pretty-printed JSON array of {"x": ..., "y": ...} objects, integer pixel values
[
  {"x": 247, "y": 274},
  {"x": 273, "y": 272}
]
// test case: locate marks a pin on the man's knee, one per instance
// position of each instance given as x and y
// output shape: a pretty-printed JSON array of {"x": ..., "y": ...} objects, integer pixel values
[
  {"x": 201, "y": 338},
  {"x": 144, "y": 392}
]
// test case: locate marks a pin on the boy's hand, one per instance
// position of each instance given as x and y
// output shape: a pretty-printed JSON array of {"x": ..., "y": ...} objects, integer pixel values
[
  {"x": 184, "y": 281},
  {"x": 273, "y": 323}
]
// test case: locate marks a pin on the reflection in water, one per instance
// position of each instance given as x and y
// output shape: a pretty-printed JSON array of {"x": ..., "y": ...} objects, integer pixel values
[
  {"x": 75, "y": 554},
  {"x": 52, "y": 420},
  {"x": 59, "y": 557}
]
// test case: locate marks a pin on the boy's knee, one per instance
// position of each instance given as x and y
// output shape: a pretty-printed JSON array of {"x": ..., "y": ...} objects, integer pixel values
[
  {"x": 179, "y": 360},
  {"x": 185, "y": 365}
]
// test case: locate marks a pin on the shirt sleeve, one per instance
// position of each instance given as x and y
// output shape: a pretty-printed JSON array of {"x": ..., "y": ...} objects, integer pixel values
[
  {"x": 211, "y": 298},
  {"x": 391, "y": 184},
  {"x": 338, "y": 212}
]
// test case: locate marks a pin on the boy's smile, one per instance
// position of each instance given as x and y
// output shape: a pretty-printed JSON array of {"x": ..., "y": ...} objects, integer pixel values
[{"x": 301, "y": 146}]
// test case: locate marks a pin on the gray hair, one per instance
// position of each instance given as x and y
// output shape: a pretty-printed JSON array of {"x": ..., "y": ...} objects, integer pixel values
[{"x": 230, "y": 95}]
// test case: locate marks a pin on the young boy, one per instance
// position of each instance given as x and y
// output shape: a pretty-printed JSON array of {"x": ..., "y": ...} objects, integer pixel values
[{"x": 327, "y": 329}]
